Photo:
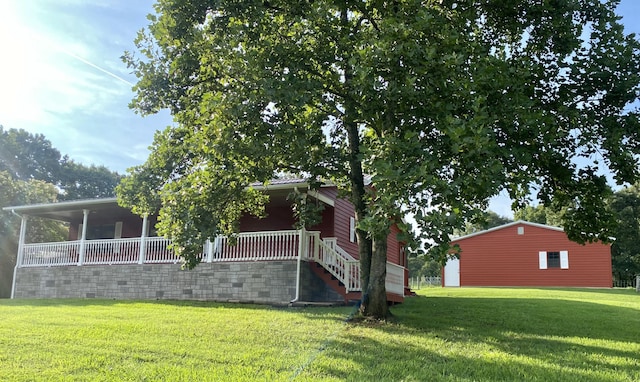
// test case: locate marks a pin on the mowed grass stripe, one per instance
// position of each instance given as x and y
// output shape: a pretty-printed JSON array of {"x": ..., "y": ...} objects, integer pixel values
[{"x": 464, "y": 334}]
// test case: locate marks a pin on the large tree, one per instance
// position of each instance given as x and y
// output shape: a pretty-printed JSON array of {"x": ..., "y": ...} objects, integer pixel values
[
  {"x": 26, "y": 156},
  {"x": 33, "y": 171},
  {"x": 443, "y": 102},
  {"x": 17, "y": 192}
]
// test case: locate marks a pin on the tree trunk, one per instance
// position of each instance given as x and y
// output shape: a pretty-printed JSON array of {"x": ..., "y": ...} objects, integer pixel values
[
  {"x": 376, "y": 304},
  {"x": 372, "y": 277}
]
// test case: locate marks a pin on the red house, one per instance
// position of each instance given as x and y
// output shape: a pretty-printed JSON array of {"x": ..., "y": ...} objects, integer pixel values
[
  {"x": 527, "y": 254},
  {"x": 112, "y": 253}
]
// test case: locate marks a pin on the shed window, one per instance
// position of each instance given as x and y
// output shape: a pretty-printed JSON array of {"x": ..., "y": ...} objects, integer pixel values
[{"x": 554, "y": 259}]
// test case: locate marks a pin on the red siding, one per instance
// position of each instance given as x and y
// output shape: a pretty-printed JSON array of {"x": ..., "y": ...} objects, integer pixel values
[
  {"x": 504, "y": 258},
  {"x": 131, "y": 227},
  {"x": 343, "y": 210},
  {"x": 393, "y": 247},
  {"x": 278, "y": 218},
  {"x": 326, "y": 226}
]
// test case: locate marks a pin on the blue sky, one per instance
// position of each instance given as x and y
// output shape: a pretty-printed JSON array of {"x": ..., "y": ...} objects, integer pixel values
[{"x": 61, "y": 76}]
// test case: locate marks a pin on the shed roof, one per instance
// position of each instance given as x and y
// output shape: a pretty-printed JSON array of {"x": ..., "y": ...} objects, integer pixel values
[{"x": 515, "y": 223}]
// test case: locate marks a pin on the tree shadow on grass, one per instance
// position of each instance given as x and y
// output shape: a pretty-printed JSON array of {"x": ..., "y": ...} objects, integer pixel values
[
  {"x": 340, "y": 312},
  {"x": 490, "y": 339}
]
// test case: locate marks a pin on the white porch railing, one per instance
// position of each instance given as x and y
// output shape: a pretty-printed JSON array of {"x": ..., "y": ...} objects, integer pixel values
[
  {"x": 248, "y": 246},
  {"x": 49, "y": 254},
  {"x": 255, "y": 246},
  {"x": 335, "y": 260}
]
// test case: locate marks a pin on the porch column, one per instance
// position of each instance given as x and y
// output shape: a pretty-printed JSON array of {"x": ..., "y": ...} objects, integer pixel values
[
  {"x": 301, "y": 248},
  {"x": 21, "y": 240},
  {"x": 83, "y": 238},
  {"x": 20, "y": 255},
  {"x": 209, "y": 251},
  {"x": 302, "y": 242},
  {"x": 143, "y": 239}
]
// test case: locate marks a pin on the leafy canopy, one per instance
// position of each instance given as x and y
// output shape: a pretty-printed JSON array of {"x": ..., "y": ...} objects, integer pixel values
[
  {"x": 454, "y": 99},
  {"x": 444, "y": 103}
]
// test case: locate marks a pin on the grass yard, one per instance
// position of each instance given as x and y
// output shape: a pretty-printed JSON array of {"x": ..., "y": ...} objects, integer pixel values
[{"x": 465, "y": 334}]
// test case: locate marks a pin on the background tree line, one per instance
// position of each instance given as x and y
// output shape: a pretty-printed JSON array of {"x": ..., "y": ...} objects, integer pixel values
[{"x": 33, "y": 171}]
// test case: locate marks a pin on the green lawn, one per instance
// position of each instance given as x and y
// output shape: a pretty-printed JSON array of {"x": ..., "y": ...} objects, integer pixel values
[{"x": 463, "y": 334}]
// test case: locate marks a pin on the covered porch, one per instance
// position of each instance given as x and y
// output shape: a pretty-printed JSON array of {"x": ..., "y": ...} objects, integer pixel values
[{"x": 297, "y": 248}]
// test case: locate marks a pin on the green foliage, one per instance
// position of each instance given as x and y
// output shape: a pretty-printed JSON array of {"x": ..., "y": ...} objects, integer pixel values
[
  {"x": 32, "y": 171},
  {"x": 25, "y": 156},
  {"x": 85, "y": 182},
  {"x": 541, "y": 215},
  {"x": 487, "y": 219},
  {"x": 625, "y": 252},
  {"x": 423, "y": 266},
  {"x": 445, "y": 104},
  {"x": 307, "y": 211},
  {"x": 28, "y": 156},
  {"x": 19, "y": 192}
]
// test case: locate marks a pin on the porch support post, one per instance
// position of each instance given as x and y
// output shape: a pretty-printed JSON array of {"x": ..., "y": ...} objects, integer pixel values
[
  {"x": 21, "y": 240},
  {"x": 209, "y": 246},
  {"x": 301, "y": 248},
  {"x": 20, "y": 255},
  {"x": 347, "y": 276},
  {"x": 143, "y": 239},
  {"x": 83, "y": 238}
]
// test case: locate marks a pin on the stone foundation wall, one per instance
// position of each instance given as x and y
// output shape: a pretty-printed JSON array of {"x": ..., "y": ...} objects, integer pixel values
[{"x": 269, "y": 282}]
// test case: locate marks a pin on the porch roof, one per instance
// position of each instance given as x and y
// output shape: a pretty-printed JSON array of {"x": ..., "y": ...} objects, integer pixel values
[
  {"x": 68, "y": 211},
  {"x": 72, "y": 210}
]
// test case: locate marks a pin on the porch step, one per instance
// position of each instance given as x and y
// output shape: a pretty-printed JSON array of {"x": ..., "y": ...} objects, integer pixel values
[
  {"x": 334, "y": 283},
  {"x": 339, "y": 287}
]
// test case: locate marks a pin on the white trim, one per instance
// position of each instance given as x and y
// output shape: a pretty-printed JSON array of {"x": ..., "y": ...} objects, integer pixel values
[
  {"x": 564, "y": 259},
  {"x": 20, "y": 256},
  {"x": 542, "y": 260},
  {"x": 117, "y": 234},
  {"x": 83, "y": 238},
  {"x": 323, "y": 198},
  {"x": 352, "y": 229},
  {"x": 63, "y": 205},
  {"x": 507, "y": 226}
]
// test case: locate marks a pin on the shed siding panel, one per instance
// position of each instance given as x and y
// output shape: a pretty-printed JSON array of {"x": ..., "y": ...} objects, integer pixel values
[{"x": 504, "y": 258}]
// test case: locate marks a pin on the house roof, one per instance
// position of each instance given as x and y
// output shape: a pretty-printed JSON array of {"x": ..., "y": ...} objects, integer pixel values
[
  {"x": 279, "y": 189},
  {"x": 70, "y": 210},
  {"x": 515, "y": 223}
]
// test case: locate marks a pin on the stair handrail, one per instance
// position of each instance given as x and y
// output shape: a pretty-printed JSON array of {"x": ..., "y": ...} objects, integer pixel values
[{"x": 338, "y": 262}]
